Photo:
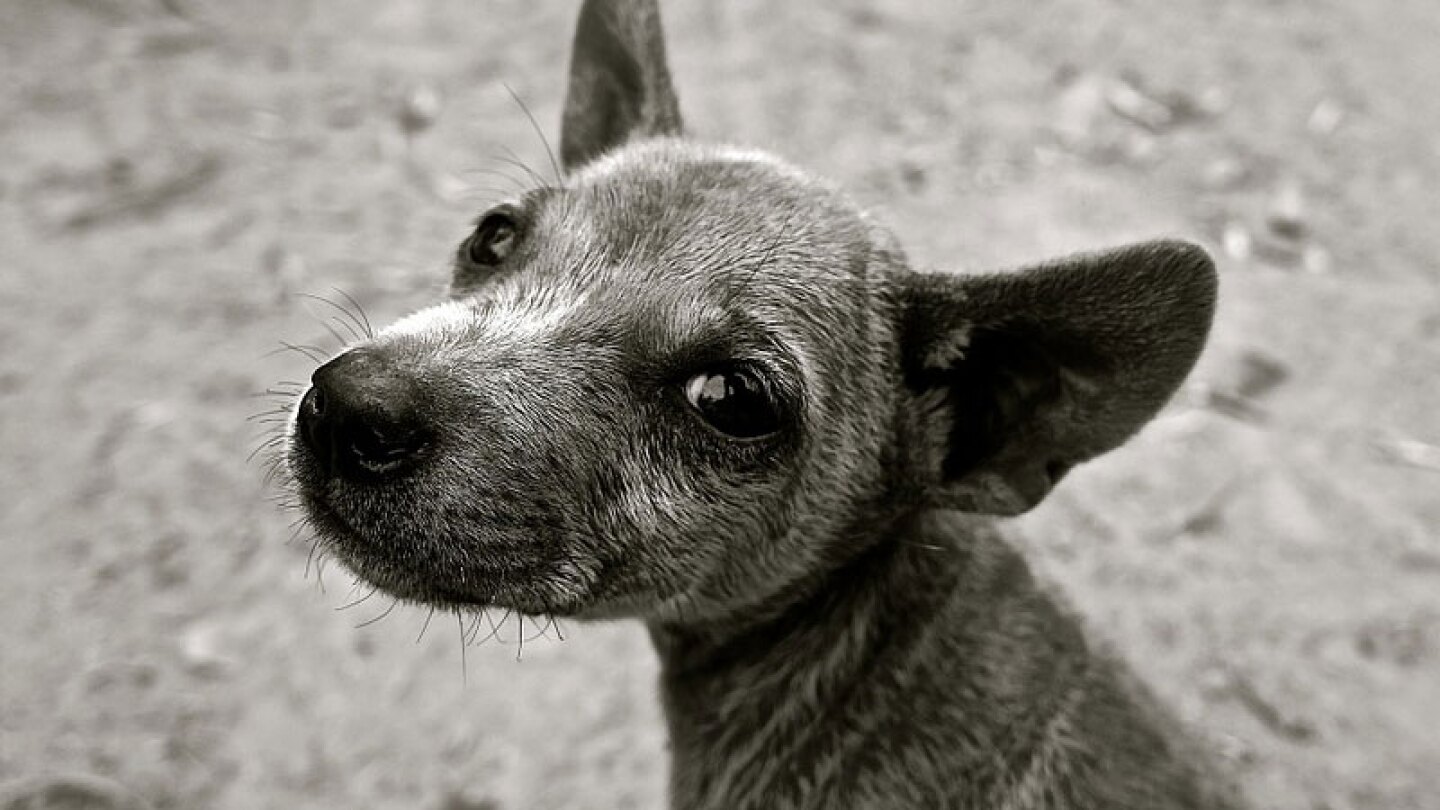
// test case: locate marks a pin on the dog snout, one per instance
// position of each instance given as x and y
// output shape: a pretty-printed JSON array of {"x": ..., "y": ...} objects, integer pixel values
[{"x": 363, "y": 418}]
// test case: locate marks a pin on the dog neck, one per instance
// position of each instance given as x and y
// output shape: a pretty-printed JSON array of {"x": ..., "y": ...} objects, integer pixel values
[{"x": 791, "y": 700}]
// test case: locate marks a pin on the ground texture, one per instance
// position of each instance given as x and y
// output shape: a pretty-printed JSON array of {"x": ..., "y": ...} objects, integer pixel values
[{"x": 177, "y": 172}]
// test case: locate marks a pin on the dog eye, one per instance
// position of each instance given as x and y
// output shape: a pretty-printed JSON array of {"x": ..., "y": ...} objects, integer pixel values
[
  {"x": 493, "y": 240},
  {"x": 734, "y": 402}
]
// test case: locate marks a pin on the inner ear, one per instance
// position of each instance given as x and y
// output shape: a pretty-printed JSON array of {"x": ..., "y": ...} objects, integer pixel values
[
  {"x": 1001, "y": 383},
  {"x": 1005, "y": 398},
  {"x": 1018, "y": 377}
]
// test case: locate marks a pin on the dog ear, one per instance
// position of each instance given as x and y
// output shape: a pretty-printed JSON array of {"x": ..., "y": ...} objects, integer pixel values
[
  {"x": 1018, "y": 377},
  {"x": 619, "y": 83}
]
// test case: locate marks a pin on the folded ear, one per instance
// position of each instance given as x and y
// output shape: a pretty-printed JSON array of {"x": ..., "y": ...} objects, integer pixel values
[
  {"x": 1016, "y": 378},
  {"x": 619, "y": 83}
]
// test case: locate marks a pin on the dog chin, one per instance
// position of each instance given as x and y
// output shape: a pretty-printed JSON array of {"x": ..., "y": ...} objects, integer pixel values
[
  {"x": 539, "y": 588},
  {"x": 533, "y": 592},
  {"x": 532, "y": 596}
]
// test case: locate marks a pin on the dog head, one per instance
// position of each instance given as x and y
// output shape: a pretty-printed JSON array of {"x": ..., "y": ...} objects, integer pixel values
[{"x": 692, "y": 376}]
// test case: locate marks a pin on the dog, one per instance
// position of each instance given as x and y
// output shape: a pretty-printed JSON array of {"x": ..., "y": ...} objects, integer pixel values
[{"x": 696, "y": 386}]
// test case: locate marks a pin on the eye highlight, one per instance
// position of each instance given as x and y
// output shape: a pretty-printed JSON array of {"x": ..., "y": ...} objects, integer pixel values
[
  {"x": 494, "y": 239},
  {"x": 734, "y": 401}
]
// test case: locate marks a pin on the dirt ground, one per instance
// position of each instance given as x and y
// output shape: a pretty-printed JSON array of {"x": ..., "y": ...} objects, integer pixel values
[{"x": 177, "y": 173}]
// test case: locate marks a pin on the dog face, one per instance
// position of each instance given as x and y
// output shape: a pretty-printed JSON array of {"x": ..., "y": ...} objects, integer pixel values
[
  {"x": 691, "y": 378},
  {"x": 626, "y": 403}
]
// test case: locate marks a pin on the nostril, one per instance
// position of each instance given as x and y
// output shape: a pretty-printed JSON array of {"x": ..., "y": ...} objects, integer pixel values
[
  {"x": 311, "y": 419},
  {"x": 362, "y": 418},
  {"x": 384, "y": 447}
]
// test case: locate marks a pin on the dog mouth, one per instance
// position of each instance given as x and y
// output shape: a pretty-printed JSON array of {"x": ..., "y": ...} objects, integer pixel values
[
  {"x": 394, "y": 497},
  {"x": 529, "y": 585}
]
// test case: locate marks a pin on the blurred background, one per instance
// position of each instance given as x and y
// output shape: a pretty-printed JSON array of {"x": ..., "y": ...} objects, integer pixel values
[{"x": 176, "y": 174}]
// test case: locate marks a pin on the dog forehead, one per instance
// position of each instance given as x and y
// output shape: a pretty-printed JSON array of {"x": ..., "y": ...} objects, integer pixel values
[
  {"x": 668, "y": 163},
  {"x": 674, "y": 205},
  {"x": 694, "y": 234},
  {"x": 663, "y": 241}
]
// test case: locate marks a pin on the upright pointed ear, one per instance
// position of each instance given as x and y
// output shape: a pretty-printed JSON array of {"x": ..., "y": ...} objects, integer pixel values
[
  {"x": 1016, "y": 378},
  {"x": 619, "y": 83}
]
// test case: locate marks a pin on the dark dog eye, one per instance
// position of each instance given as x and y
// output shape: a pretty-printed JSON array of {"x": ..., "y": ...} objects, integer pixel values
[
  {"x": 734, "y": 402},
  {"x": 494, "y": 239}
]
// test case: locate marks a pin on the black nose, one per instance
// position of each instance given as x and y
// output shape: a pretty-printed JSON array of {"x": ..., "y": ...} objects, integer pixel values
[{"x": 362, "y": 418}]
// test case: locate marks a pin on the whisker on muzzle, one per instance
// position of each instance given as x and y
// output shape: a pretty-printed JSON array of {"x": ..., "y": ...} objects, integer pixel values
[
  {"x": 393, "y": 604},
  {"x": 426, "y": 626}
]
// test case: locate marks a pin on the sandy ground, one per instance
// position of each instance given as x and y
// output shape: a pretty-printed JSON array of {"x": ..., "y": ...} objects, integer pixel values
[{"x": 176, "y": 173}]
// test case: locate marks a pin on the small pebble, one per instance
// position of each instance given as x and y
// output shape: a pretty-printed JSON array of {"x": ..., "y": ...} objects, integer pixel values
[
  {"x": 1078, "y": 110},
  {"x": 1236, "y": 242},
  {"x": 1325, "y": 118},
  {"x": 1316, "y": 260},
  {"x": 1224, "y": 173},
  {"x": 202, "y": 649},
  {"x": 1130, "y": 102},
  {"x": 418, "y": 109},
  {"x": 1286, "y": 217},
  {"x": 1258, "y": 373}
]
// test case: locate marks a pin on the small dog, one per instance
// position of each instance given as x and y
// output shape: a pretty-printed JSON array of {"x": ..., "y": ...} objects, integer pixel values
[{"x": 696, "y": 386}]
